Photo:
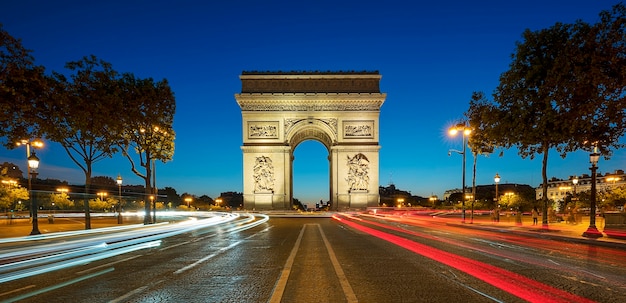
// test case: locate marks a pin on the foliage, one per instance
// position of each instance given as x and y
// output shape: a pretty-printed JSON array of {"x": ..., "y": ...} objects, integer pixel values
[
  {"x": 147, "y": 129},
  {"x": 564, "y": 90},
  {"x": 103, "y": 204},
  {"x": 22, "y": 85},
  {"x": 10, "y": 195},
  {"x": 10, "y": 170},
  {"x": 81, "y": 108},
  {"x": 612, "y": 199},
  {"x": 104, "y": 181},
  {"x": 61, "y": 201}
]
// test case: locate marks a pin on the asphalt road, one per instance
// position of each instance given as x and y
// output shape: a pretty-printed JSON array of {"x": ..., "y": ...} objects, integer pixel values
[{"x": 367, "y": 259}]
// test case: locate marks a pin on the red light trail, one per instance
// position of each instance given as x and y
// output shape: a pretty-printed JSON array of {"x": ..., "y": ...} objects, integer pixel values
[{"x": 513, "y": 283}]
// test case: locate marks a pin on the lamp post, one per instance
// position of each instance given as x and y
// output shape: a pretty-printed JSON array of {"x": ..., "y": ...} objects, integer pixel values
[
  {"x": 188, "y": 200},
  {"x": 496, "y": 210},
  {"x": 119, "y": 205},
  {"x": 592, "y": 230},
  {"x": 465, "y": 131},
  {"x": 33, "y": 164},
  {"x": 153, "y": 210},
  {"x": 63, "y": 191},
  {"x": 151, "y": 203},
  {"x": 101, "y": 195}
]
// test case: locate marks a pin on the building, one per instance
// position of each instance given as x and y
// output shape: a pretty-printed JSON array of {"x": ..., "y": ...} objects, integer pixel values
[{"x": 558, "y": 189}]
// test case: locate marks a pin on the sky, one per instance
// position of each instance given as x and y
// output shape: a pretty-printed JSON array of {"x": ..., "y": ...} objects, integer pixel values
[{"x": 431, "y": 54}]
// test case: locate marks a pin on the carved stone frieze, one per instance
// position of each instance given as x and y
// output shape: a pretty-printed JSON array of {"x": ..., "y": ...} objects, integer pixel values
[
  {"x": 358, "y": 172},
  {"x": 263, "y": 174},
  {"x": 331, "y": 122},
  {"x": 310, "y": 102}
]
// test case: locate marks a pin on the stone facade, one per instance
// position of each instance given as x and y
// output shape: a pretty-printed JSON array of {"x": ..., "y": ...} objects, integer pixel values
[{"x": 281, "y": 110}]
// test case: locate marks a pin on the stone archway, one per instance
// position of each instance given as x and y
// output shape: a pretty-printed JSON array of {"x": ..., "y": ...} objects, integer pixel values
[{"x": 282, "y": 109}]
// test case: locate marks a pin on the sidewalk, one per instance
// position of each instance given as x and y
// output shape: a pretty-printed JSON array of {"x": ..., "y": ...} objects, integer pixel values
[
  {"x": 557, "y": 231},
  {"x": 21, "y": 227}
]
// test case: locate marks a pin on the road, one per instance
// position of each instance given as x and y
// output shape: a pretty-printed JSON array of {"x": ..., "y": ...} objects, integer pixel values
[{"x": 349, "y": 258}]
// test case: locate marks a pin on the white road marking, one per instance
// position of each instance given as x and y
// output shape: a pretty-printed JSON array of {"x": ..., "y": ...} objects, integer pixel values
[
  {"x": 343, "y": 281},
  {"x": 279, "y": 290},
  {"x": 284, "y": 276}
]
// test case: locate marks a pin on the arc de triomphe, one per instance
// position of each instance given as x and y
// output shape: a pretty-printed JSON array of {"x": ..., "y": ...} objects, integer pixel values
[{"x": 282, "y": 109}]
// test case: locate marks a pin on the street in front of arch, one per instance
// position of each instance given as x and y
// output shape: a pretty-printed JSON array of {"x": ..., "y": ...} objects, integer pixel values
[{"x": 388, "y": 257}]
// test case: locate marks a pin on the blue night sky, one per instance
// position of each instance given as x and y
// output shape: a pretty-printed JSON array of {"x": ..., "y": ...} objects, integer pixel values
[{"x": 431, "y": 56}]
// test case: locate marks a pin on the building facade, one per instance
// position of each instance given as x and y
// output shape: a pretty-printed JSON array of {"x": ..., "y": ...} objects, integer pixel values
[{"x": 558, "y": 189}]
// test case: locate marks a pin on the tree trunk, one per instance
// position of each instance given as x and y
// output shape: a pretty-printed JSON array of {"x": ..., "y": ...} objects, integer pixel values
[
  {"x": 544, "y": 185},
  {"x": 86, "y": 196}
]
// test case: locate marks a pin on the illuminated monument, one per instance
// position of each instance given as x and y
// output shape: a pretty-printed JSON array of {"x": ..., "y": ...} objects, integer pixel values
[{"x": 283, "y": 109}]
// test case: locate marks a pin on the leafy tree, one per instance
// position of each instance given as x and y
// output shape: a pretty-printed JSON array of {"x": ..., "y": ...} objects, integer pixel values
[
  {"x": 10, "y": 195},
  {"x": 10, "y": 170},
  {"x": 564, "y": 90},
  {"x": 81, "y": 109},
  {"x": 61, "y": 201},
  {"x": 172, "y": 197},
  {"x": 148, "y": 127},
  {"x": 104, "y": 181},
  {"x": 22, "y": 85},
  {"x": 615, "y": 197}
]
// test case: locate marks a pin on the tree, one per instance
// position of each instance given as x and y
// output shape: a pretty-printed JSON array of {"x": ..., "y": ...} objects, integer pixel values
[
  {"x": 148, "y": 127},
  {"x": 10, "y": 195},
  {"x": 22, "y": 84},
  {"x": 564, "y": 90},
  {"x": 10, "y": 170},
  {"x": 81, "y": 110},
  {"x": 61, "y": 201}
]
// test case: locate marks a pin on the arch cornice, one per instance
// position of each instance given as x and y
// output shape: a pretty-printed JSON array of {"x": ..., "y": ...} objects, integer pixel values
[{"x": 310, "y": 101}]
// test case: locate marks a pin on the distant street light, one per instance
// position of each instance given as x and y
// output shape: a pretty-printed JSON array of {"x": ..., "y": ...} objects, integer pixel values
[
  {"x": 101, "y": 195},
  {"x": 592, "y": 230},
  {"x": 153, "y": 209},
  {"x": 496, "y": 210},
  {"x": 33, "y": 164},
  {"x": 119, "y": 205},
  {"x": 188, "y": 200},
  {"x": 497, "y": 180},
  {"x": 218, "y": 201},
  {"x": 465, "y": 131}
]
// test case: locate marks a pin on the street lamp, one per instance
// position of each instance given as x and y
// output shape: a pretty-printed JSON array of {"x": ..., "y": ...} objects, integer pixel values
[
  {"x": 153, "y": 202},
  {"x": 101, "y": 195},
  {"x": 119, "y": 205},
  {"x": 465, "y": 131},
  {"x": 188, "y": 200},
  {"x": 497, "y": 180},
  {"x": 63, "y": 191},
  {"x": 592, "y": 230},
  {"x": 400, "y": 202},
  {"x": 33, "y": 164},
  {"x": 218, "y": 201}
]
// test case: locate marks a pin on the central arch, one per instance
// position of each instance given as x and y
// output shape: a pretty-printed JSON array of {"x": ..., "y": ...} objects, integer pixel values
[
  {"x": 310, "y": 131},
  {"x": 281, "y": 110}
]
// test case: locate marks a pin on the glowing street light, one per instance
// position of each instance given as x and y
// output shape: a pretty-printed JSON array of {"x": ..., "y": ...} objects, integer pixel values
[
  {"x": 496, "y": 179},
  {"x": 592, "y": 230},
  {"x": 465, "y": 131},
  {"x": 188, "y": 200},
  {"x": 101, "y": 195},
  {"x": 33, "y": 164},
  {"x": 400, "y": 202},
  {"x": 119, "y": 205}
]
